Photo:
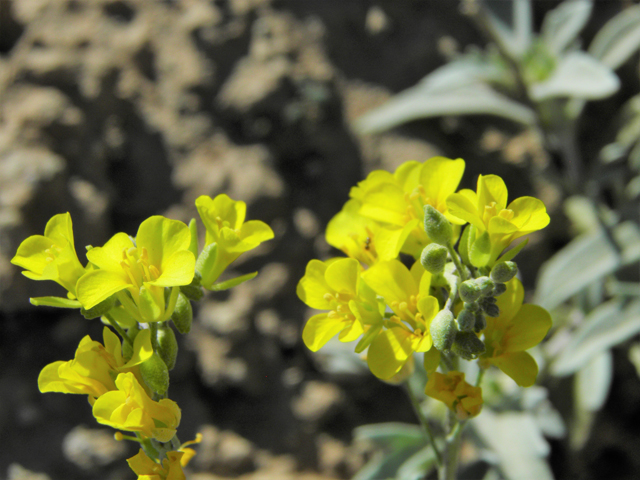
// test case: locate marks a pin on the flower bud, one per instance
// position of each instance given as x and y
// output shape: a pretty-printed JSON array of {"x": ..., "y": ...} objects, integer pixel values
[
  {"x": 471, "y": 306},
  {"x": 469, "y": 291},
  {"x": 182, "y": 316},
  {"x": 499, "y": 289},
  {"x": 467, "y": 345},
  {"x": 437, "y": 226},
  {"x": 443, "y": 330},
  {"x": 433, "y": 258},
  {"x": 167, "y": 345},
  {"x": 193, "y": 291},
  {"x": 481, "y": 322},
  {"x": 466, "y": 320},
  {"x": 485, "y": 284},
  {"x": 155, "y": 374},
  {"x": 504, "y": 271},
  {"x": 490, "y": 308},
  {"x": 100, "y": 309}
]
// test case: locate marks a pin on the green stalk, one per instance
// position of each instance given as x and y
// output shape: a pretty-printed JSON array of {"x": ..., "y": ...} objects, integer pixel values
[
  {"x": 118, "y": 329},
  {"x": 426, "y": 429}
]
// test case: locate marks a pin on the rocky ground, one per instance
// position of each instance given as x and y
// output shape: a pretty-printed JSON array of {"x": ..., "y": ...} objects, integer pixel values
[{"x": 118, "y": 110}]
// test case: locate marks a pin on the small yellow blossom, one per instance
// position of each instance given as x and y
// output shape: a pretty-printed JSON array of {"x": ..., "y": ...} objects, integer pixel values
[
  {"x": 129, "y": 408},
  {"x": 148, "y": 469},
  {"x": 487, "y": 211},
  {"x": 52, "y": 256},
  {"x": 352, "y": 306},
  {"x": 158, "y": 258},
  {"x": 223, "y": 219},
  {"x": 397, "y": 200},
  {"x": 463, "y": 399},
  {"x": 517, "y": 328},
  {"x": 95, "y": 366},
  {"x": 407, "y": 294}
]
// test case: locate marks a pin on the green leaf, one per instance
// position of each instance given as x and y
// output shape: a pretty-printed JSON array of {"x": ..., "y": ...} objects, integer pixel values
[
  {"x": 584, "y": 260},
  {"x": 510, "y": 254},
  {"x": 577, "y": 75},
  {"x": 517, "y": 441},
  {"x": 592, "y": 383},
  {"x": 463, "y": 246},
  {"x": 58, "y": 302},
  {"x": 226, "y": 285},
  {"x": 561, "y": 26},
  {"x": 608, "y": 325},
  {"x": 618, "y": 39},
  {"x": 418, "y": 466}
]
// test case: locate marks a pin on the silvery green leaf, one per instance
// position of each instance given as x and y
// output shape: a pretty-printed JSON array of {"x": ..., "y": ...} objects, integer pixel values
[
  {"x": 606, "y": 326},
  {"x": 577, "y": 75},
  {"x": 418, "y": 465},
  {"x": 634, "y": 356},
  {"x": 522, "y": 25},
  {"x": 517, "y": 441},
  {"x": 585, "y": 259},
  {"x": 415, "y": 103},
  {"x": 592, "y": 382},
  {"x": 562, "y": 25},
  {"x": 618, "y": 39}
]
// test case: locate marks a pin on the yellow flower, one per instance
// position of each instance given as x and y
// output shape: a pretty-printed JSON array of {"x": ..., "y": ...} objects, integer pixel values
[
  {"x": 130, "y": 408},
  {"x": 148, "y": 469},
  {"x": 336, "y": 286},
  {"x": 158, "y": 258},
  {"x": 92, "y": 370},
  {"x": 398, "y": 200},
  {"x": 463, "y": 399},
  {"x": 487, "y": 211},
  {"x": 223, "y": 219},
  {"x": 517, "y": 328},
  {"x": 52, "y": 256},
  {"x": 362, "y": 238},
  {"x": 407, "y": 294}
]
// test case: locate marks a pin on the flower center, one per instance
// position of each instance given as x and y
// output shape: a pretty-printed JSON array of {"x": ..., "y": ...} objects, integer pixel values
[{"x": 135, "y": 263}]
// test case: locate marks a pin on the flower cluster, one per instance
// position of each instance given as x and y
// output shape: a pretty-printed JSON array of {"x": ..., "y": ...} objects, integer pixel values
[
  {"x": 406, "y": 289},
  {"x": 138, "y": 285}
]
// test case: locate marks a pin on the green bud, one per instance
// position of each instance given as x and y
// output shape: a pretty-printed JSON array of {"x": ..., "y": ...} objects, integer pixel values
[
  {"x": 471, "y": 306},
  {"x": 433, "y": 258},
  {"x": 182, "y": 315},
  {"x": 467, "y": 345},
  {"x": 499, "y": 289},
  {"x": 481, "y": 322},
  {"x": 469, "y": 291},
  {"x": 127, "y": 348},
  {"x": 490, "y": 308},
  {"x": 466, "y": 320},
  {"x": 486, "y": 285},
  {"x": 443, "y": 330},
  {"x": 155, "y": 374},
  {"x": 503, "y": 272},
  {"x": 437, "y": 226},
  {"x": 167, "y": 345},
  {"x": 193, "y": 291},
  {"x": 100, "y": 309}
]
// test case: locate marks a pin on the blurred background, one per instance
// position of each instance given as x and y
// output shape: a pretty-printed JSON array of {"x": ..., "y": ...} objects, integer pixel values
[{"x": 115, "y": 110}]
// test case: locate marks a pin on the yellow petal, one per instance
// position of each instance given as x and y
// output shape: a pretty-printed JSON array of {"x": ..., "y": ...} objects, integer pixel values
[
  {"x": 460, "y": 206},
  {"x": 429, "y": 308},
  {"x": 97, "y": 285},
  {"x": 520, "y": 366},
  {"x": 528, "y": 328},
  {"x": 440, "y": 177},
  {"x": 385, "y": 203},
  {"x": 342, "y": 275},
  {"x": 319, "y": 330},
  {"x": 388, "y": 352},
  {"x": 492, "y": 189},
  {"x": 109, "y": 256},
  {"x": 391, "y": 280},
  {"x": 510, "y": 302},
  {"x": 431, "y": 360},
  {"x": 530, "y": 214},
  {"x": 313, "y": 287}
]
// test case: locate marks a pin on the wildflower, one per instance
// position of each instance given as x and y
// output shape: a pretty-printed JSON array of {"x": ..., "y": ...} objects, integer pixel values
[
  {"x": 407, "y": 294},
  {"x": 397, "y": 200},
  {"x": 92, "y": 370},
  {"x": 139, "y": 271},
  {"x": 362, "y": 238},
  {"x": 148, "y": 469},
  {"x": 352, "y": 306},
  {"x": 130, "y": 408},
  {"x": 223, "y": 219},
  {"x": 52, "y": 256},
  {"x": 463, "y": 399},
  {"x": 487, "y": 211},
  {"x": 517, "y": 328}
]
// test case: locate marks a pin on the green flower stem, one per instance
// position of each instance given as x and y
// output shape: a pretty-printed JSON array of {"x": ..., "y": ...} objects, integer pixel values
[
  {"x": 480, "y": 377},
  {"x": 457, "y": 263},
  {"x": 426, "y": 429},
  {"x": 148, "y": 447},
  {"x": 452, "y": 452},
  {"x": 153, "y": 326},
  {"x": 118, "y": 329}
]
